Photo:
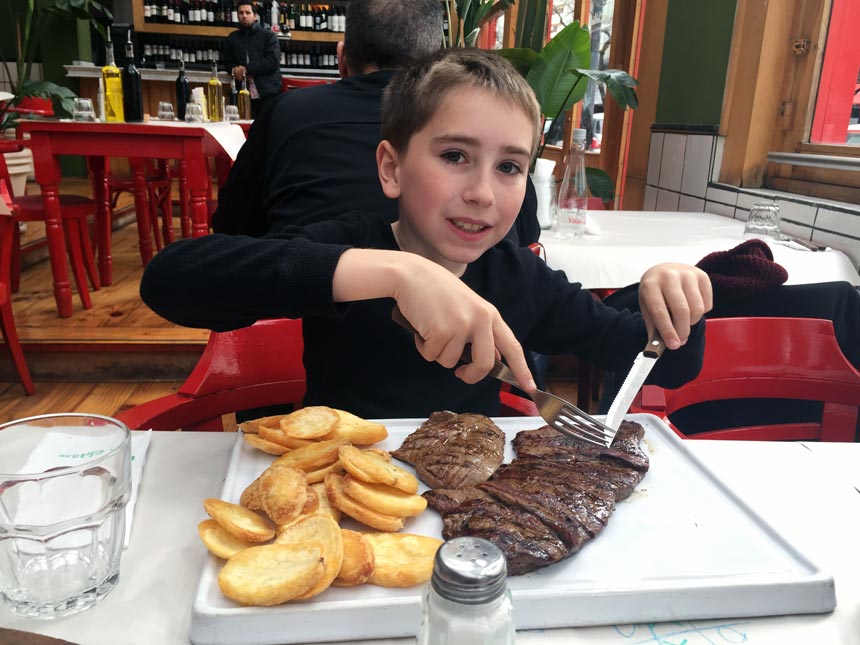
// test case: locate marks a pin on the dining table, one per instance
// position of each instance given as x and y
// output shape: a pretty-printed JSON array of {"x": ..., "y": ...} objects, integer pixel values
[
  {"x": 191, "y": 144},
  {"x": 619, "y": 246},
  {"x": 808, "y": 492}
]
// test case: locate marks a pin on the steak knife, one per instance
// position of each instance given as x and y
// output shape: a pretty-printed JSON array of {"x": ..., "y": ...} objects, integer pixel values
[{"x": 635, "y": 378}]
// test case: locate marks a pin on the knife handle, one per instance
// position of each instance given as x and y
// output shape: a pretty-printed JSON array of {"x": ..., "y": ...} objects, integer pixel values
[{"x": 655, "y": 346}]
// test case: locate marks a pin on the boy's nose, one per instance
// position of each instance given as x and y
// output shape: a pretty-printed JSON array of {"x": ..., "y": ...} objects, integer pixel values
[{"x": 479, "y": 190}]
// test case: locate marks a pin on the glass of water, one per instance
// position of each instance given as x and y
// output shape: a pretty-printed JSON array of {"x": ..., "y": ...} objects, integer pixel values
[
  {"x": 763, "y": 221},
  {"x": 65, "y": 480}
]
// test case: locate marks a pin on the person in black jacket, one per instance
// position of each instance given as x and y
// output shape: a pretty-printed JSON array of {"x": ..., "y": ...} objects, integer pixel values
[
  {"x": 252, "y": 53},
  {"x": 459, "y": 131},
  {"x": 310, "y": 157}
]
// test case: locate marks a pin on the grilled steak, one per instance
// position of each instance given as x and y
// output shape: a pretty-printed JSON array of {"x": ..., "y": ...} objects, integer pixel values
[
  {"x": 454, "y": 450},
  {"x": 548, "y": 502}
]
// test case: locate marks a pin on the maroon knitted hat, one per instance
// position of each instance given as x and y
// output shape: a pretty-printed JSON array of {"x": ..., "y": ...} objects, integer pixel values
[{"x": 743, "y": 271}]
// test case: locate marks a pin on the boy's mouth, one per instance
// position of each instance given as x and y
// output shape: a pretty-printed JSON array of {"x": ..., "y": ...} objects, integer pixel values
[{"x": 468, "y": 227}]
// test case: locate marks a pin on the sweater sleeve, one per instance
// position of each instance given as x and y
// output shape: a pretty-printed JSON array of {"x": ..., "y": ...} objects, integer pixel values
[{"x": 224, "y": 282}]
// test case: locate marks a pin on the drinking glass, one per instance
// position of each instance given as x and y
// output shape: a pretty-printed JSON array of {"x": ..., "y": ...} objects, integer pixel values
[
  {"x": 83, "y": 110},
  {"x": 194, "y": 113},
  {"x": 231, "y": 113},
  {"x": 763, "y": 221},
  {"x": 65, "y": 480},
  {"x": 165, "y": 111}
]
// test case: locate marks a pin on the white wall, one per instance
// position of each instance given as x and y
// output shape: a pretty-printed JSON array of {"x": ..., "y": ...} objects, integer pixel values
[{"x": 682, "y": 168}]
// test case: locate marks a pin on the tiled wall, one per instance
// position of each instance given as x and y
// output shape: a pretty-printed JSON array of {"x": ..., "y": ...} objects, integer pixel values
[
  {"x": 682, "y": 172},
  {"x": 6, "y": 81}
]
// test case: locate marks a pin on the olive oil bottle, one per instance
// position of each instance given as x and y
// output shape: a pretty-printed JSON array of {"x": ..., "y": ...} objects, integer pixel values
[
  {"x": 244, "y": 101},
  {"x": 112, "y": 81},
  {"x": 214, "y": 96}
]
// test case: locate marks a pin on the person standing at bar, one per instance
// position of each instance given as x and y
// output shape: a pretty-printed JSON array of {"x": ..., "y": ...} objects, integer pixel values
[{"x": 252, "y": 53}]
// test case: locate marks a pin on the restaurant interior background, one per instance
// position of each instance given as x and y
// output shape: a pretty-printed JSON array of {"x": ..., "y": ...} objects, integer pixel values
[{"x": 727, "y": 113}]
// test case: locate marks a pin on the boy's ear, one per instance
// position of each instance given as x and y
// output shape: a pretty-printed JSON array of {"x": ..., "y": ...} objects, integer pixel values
[
  {"x": 342, "y": 69},
  {"x": 387, "y": 165}
]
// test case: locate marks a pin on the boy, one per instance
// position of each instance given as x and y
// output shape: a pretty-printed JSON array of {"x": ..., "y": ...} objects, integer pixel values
[{"x": 459, "y": 130}]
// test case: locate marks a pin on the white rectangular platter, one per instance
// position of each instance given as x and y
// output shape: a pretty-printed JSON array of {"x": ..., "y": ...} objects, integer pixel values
[{"x": 681, "y": 547}]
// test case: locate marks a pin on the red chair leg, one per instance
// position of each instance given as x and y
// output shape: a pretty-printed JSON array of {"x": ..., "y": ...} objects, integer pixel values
[
  {"x": 152, "y": 205},
  {"x": 165, "y": 201},
  {"x": 7, "y": 323},
  {"x": 89, "y": 258},
  {"x": 15, "y": 275},
  {"x": 73, "y": 242}
]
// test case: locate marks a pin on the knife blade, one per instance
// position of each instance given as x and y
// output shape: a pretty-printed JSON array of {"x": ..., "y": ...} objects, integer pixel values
[{"x": 635, "y": 378}]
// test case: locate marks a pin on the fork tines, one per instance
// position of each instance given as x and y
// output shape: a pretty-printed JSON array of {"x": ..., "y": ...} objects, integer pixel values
[{"x": 579, "y": 425}]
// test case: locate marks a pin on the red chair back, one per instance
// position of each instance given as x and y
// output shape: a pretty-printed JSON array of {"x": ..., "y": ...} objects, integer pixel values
[
  {"x": 288, "y": 84},
  {"x": 769, "y": 358}
]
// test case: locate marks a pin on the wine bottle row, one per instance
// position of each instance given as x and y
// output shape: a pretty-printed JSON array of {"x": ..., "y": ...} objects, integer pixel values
[
  {"x": 274, "y": 14},
  {"x": 159, "y": 51}
]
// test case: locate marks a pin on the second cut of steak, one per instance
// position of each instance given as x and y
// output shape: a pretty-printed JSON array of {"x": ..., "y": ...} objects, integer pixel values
[{"x": 454, "y": 450}]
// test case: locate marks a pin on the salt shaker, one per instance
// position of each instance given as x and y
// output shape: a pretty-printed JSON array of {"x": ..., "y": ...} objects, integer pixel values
[{"x": 467, "y": 601}]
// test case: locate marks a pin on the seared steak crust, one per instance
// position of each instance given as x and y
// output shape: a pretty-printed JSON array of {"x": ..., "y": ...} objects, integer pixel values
[
  {"x": 454, "y": 450},
  {"x": 548, "y": 502}
]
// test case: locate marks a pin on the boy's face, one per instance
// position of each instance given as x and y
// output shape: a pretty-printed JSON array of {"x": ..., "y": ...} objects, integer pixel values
[{"x": 462, "y": 178}]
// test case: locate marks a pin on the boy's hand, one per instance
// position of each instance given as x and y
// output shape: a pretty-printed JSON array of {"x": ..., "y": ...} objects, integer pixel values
[{"x": 673, "y": 297}]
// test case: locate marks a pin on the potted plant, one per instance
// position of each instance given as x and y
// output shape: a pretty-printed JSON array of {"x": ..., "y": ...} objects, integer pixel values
[{"x": 28, "y": 20}]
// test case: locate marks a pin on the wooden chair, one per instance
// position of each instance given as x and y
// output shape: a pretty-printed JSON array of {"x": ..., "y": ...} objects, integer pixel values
[
  {"x": 769, "y": 358},
  {"x": 288, "y": 83},
  {"x": 247, "y": 368},
  {"x": 75, "y": 211},
  {"x": 7, "y": 319},
  {"x": 159, "y": 198}
]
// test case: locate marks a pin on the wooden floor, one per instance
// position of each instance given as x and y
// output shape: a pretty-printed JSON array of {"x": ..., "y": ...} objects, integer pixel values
[{"x": 114, "y": 356}]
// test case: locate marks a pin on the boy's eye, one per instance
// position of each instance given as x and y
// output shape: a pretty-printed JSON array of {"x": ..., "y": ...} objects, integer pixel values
[
  {"x": 453, "y": 156},
  {"x": 510, "y": 168}
]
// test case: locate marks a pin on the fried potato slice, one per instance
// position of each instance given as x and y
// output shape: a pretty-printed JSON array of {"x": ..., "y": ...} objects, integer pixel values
[
  {"x": 401, "y": 559},
  {"x": 219, "y": 541},
  {"x": 370, "y": 467},
  {"x": 256, "y": 441},
  {"x": 357, "y": 510},
  {"x": 312, "y": 456},
  {"x": 239, "y": 521},
  {"x": 384, "y": 499},
  {"x": 283, "y": 492},
  {"x": 325, "y": 533},
  {"x": 325, "y": 506},
  {"x": 252, "y": 426},
  {"x": 358, "y": 560},
  {"x": 313, "y": 503},
  {"x": 276, "y": 435},
  {"x": 312, "y": 422},
  {"x": 318, "y": 475},
  {"x": 271, "y": 574},
  {"x": 357, "y": 430},
  {"x": 251, "y": 498}
]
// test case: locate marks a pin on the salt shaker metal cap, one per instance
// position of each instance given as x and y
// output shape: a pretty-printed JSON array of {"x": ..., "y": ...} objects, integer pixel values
[{"x": 469, "y": 570}]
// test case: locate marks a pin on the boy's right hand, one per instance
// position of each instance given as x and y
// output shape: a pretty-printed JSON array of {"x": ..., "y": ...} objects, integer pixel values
[{"x": 446, "y": 314}]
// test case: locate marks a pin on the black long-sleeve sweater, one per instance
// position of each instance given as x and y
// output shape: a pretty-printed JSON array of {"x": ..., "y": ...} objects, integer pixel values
[{"x": 356, "y": 358}]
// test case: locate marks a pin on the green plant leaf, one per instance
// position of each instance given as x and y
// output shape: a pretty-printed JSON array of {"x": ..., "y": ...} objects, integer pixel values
[
  {"x": 62, "y": 97},
  {"x": 531, "y": 24},
  {"x": 600, "y": 184},
  {"x": 521, "y": 58},
  {"x": 619, "y": 83}
]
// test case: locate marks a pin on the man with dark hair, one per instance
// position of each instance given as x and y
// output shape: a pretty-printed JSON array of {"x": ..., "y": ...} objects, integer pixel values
[
  {"x": 311, "y": 157},
  {"x": 252, "y": 53}
]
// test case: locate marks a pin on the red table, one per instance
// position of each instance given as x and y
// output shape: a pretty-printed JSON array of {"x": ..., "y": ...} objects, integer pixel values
[{"x": 190, "y": 145}]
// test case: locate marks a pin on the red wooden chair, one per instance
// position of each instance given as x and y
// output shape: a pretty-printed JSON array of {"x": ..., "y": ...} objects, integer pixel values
[
  {"x": 7, "y": 319},
  {"x": 75, "y": 211},
  {"x": 247, "y": 368},
  {"x": 158, "y": 197},
  {"x": 769, "y": 358},
  {"x": 288, "y": 83}
]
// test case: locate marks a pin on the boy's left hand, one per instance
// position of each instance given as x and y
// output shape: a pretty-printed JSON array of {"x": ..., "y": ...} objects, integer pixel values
[{"x": 672, "y": 298}]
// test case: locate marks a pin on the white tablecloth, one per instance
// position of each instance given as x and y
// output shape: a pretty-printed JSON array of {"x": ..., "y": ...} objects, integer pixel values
[
  {"x": 630, "y": 242},
  {"x": 805, "y": 490}
]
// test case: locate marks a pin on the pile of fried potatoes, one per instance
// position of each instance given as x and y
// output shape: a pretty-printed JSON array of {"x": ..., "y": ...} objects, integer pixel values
[{"x": 283, "y": 541}]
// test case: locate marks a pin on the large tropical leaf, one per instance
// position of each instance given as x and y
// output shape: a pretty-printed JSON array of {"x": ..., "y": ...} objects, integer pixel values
[
  {"x": 521, "y": 58},
  {"x": 600, "y": 184},
  {"x": 62, "y": 97},
  {"x": 531, "y": 24},
  {"x": 619, "y": 83}
]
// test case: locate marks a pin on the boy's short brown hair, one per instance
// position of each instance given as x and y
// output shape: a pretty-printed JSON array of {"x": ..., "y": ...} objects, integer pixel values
[{"x": 414, "y": 94}]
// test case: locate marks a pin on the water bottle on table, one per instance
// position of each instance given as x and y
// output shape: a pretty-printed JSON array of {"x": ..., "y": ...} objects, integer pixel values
[{"x": 573, "y": 193}]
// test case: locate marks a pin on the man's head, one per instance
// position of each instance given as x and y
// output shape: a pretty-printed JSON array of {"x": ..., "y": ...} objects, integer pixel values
[
  {"x": 246, "y": 13},
  {"x": 387, "y": 34},
  {"x": 459, "y": 130}
]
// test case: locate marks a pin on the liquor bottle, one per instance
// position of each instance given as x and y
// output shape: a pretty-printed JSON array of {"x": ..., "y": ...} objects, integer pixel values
[
  {"x": 183, "y": 92},
  {"x": 573, "y": 194},
  {"x": 132, "y": 90},
  {"x": 112, "y": 80},
  {"x": 244, "y": 101},
  {"x": 214, "y": 96},
  {"x": 467, "y": 601}
]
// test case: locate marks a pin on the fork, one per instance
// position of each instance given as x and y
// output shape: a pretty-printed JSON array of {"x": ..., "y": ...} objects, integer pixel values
[{"x": 561, "y": 415}]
